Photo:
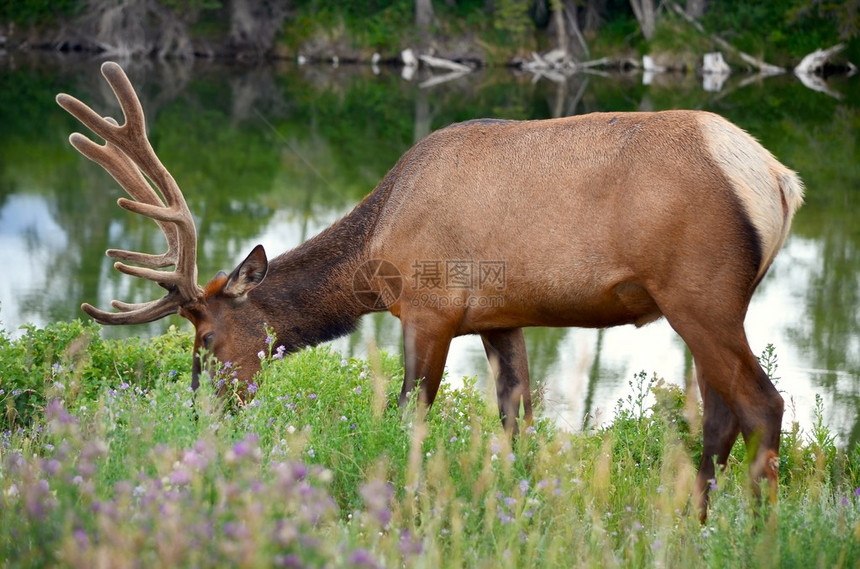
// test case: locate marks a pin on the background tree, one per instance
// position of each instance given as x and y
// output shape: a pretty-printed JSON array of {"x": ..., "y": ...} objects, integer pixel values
[
  {"x": 424, "y": 18},
  {"x": 696, "y": 8},
  {"x": 646, "y": 14}
]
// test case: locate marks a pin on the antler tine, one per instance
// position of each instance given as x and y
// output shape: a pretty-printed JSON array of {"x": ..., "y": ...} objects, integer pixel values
[
  {"x": 135, "y": 313},
  {"x": 128, "y": 156},
  {"x": 123, "y": 170}
]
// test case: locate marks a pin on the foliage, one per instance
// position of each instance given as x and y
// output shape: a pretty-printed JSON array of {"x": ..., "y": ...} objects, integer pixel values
[
  {"x": 132, "y": 468},
  {"x": 779, "y": 31},
  {"x": 782, "y": 31},
  {"x": 38, "y": 11}
]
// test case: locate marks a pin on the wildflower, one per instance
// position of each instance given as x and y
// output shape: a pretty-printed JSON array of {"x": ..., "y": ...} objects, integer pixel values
[
  {"x": 279, "y": 352},
  {"x": 269, "y": 339},
  {"x": 312, "y": 396},
  {"x": 311, "y": 452},
  {"x": 358, "y": 390},
  {"x": 252, "y": 388},
  {"x": 180, "y": 477},
  {"x": 81, "y": 538},
  {"x": 857, "y": 491},
  {"x": 245, "y": 447},
  {"x": 712, "y": 483},
  {"x": 524, "y": 485},
  {"x": 377, "y": 496},
  {"x": 409, "y": 545},
  {"x": 56, "y": 413},
  {"x": 289, "y": 560},
  {"x": 51, "y": 467},
  {"x": 57, "y": 368},
  {"x": 530, "y": 430},
  {"x": 362, "y": 558},
  {"x": 261, "y": 354}
]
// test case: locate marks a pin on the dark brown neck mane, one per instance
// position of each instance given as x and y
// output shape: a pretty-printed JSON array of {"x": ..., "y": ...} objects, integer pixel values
[{"x": 307, "y": 294}]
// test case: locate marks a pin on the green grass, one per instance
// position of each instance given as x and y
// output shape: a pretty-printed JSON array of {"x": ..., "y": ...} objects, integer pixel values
[{"x": 106, "y": 457}]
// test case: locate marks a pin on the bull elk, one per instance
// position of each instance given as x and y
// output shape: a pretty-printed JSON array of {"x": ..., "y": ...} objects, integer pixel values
[{"x": 591, "y": 221}]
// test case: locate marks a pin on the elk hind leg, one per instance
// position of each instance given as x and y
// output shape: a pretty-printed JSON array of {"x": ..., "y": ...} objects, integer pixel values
[
  {"x": 506, "y": 352},
  {"x": 720, "y": 429},
  {"x": 729, "y": 368}
]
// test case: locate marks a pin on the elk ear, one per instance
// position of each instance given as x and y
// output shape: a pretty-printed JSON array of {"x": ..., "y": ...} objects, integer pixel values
[{"x": 248, "y": 274}]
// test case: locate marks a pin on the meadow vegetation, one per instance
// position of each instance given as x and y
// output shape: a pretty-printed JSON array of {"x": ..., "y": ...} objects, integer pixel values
[{"x": 108, "y": 459}]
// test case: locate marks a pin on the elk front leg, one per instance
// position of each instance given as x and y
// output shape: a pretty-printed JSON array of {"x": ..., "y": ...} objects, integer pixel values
[
  {"x": 506, "y": 352},
  {"x": 425, "y": 349}
]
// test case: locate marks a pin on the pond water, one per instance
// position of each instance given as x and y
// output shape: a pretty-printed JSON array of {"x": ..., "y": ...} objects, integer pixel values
[{"x": 272, "y": 154}]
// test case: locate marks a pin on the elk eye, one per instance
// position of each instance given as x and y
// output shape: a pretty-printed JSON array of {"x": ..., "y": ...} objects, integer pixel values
[{"x": 208, "y": 340}]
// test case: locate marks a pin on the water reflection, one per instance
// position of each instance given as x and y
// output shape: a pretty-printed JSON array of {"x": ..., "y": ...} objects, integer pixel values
[{"x": 274, "y": 154}]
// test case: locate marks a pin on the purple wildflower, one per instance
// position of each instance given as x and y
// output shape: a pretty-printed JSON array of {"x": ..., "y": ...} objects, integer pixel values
[
  {"x": 377, "y": 496},
  {"x": 180, "y": 477},
  {"x": 247, "y": 447},
  {"x": 409, "y": 545},
  {"x": 81, "y": 538},
  {"x": 290, "y": 560},
  {"x": 55, "y": 412},
  {"x": 362, "y": 558}
]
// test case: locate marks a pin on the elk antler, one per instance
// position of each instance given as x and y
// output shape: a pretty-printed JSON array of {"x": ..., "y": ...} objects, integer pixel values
[{"x": 127, "y": 156}]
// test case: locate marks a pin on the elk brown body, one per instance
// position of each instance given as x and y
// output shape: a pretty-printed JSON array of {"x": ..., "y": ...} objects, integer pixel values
[{"x": 489, "y": 226}]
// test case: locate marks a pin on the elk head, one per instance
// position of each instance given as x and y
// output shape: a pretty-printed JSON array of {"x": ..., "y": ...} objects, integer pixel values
[{"x": 129, "y": 157}]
